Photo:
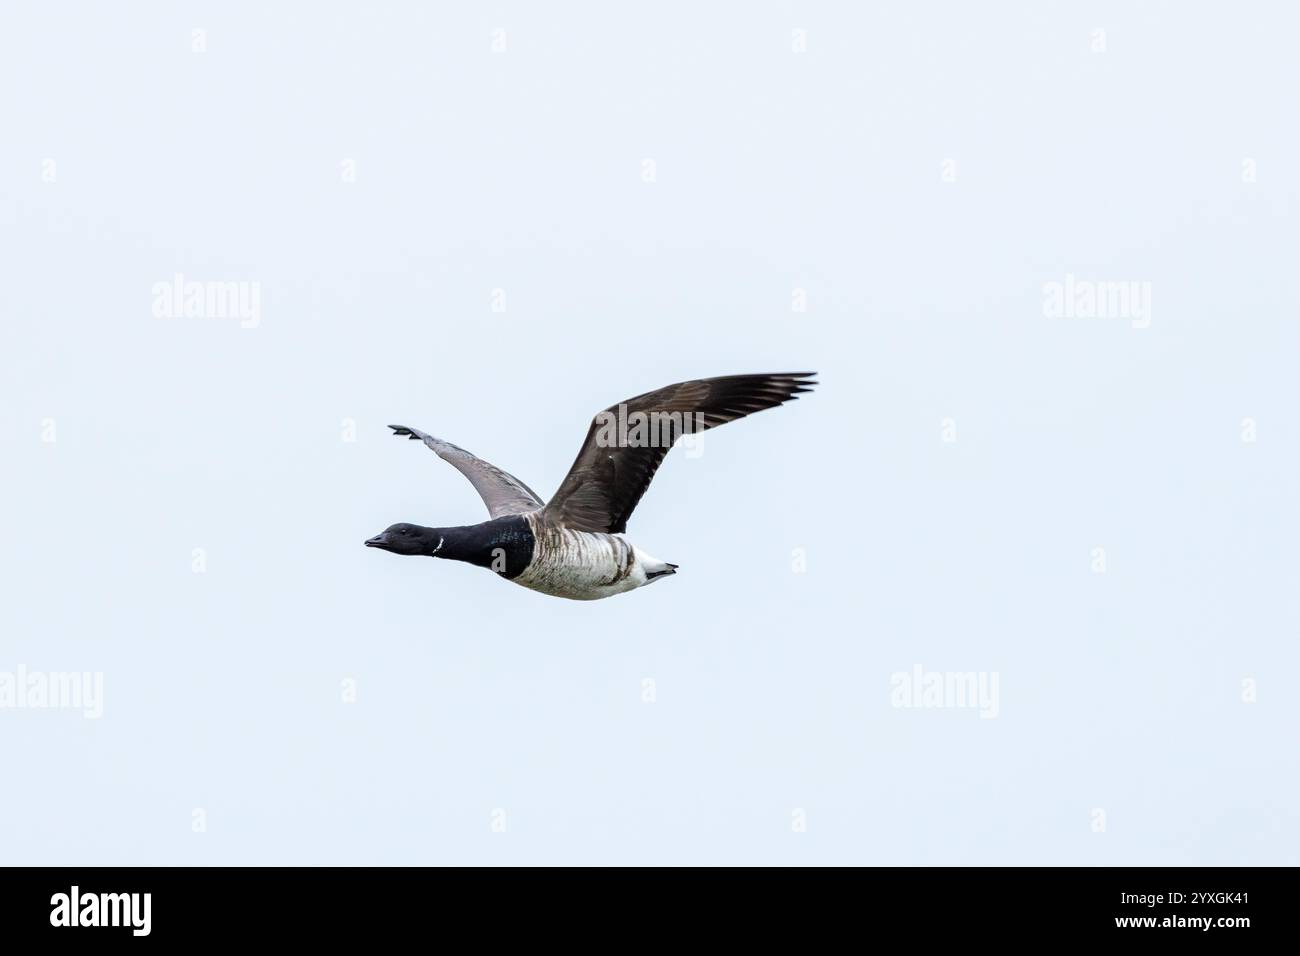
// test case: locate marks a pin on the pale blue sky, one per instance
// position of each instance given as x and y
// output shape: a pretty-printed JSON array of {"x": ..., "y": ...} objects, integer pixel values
[{"x": 522, "y": 170}]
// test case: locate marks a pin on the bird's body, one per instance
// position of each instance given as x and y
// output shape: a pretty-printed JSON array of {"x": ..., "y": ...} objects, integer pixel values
[
  {"x": 586, "y": 565},
  {"x": 582, "y": 565},
  {"x": 573, "y": 546}
]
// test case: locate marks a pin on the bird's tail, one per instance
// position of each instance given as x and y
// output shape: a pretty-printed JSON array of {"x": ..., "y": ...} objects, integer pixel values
[{"x": 659, "y": 570}]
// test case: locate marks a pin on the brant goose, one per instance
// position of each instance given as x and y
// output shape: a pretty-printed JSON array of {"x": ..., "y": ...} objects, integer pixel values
[{"x": 571, "y": 546}]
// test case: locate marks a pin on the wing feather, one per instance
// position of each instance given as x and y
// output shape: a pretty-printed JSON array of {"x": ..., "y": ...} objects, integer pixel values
[
  {"x": 613, "y": 469},
  {"x": 502, "y": 492}
]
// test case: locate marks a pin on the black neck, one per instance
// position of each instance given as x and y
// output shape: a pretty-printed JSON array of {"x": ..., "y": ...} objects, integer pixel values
[
  {"x": 504, "y": 545},
  {"x": 463, "y": 543}
]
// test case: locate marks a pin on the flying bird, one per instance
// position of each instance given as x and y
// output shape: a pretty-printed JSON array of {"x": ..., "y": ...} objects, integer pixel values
[{"x": 572, "y": 545}]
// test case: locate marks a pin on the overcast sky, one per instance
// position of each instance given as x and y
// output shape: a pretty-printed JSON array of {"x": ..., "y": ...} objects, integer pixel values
[{"x": 489, "y": 222}]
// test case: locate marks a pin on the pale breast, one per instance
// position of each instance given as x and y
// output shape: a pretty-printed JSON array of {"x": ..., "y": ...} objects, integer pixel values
[{"x": 580, "y": 565}]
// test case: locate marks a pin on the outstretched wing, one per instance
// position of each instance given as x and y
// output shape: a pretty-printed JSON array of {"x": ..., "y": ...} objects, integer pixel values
[
  {"x": 614, "y": 467},
  {"x": 502, "y": 492}
]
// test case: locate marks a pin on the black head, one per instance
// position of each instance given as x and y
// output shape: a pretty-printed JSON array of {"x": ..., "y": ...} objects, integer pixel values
[{"x": 406, "y": 539}]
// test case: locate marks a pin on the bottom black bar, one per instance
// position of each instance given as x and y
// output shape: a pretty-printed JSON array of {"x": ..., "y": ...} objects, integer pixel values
[{"x": 336, "y": 905}]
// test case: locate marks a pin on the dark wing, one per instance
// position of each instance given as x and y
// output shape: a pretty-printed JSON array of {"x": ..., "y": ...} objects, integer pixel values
[
  {"x": 615, "y": 465},
  {"x": 502, "y": 492}
]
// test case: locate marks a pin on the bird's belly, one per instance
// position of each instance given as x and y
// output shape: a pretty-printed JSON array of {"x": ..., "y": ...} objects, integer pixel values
[{"x": 581, "y": 565}]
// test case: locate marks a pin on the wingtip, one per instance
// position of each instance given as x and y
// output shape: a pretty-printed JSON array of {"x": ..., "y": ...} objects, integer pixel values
[{"x": 798, "y": 381}]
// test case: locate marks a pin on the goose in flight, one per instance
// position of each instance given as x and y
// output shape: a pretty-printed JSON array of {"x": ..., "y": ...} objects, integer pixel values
[{"x": 572, "y": 545}]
